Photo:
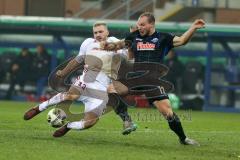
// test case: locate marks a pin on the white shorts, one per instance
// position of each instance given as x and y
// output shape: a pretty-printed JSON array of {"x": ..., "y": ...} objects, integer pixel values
[{"x": 93, "y": 94}]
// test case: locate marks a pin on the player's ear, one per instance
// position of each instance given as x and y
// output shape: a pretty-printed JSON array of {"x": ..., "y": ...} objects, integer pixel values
[{"x": 152, "y": 26}]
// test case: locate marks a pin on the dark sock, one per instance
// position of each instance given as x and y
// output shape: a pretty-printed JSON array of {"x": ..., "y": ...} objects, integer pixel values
[
  {"x": 120, "y": 109},
  {"x": 176, "y": 126}
]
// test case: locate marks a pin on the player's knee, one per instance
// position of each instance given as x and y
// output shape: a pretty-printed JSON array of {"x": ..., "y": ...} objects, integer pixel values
[
  {"x": 123, "y": 91},
  {"x": 120, "y": 88},
  {"x": 72, "y": 94},
  {"x": 164, "y": 107},
  {"x": 72, "y": 97}
]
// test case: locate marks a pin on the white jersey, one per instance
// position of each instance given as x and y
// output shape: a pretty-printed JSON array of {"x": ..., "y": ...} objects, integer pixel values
[
  {"x": 101, "y": 66},
  {"x": 107, "y": 62}
]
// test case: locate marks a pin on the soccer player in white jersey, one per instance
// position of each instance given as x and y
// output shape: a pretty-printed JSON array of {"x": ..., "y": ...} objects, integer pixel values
[{"x": 91, "y": 86}]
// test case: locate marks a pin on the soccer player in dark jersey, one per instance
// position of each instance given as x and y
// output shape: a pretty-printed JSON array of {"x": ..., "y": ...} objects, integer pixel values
[{"x": 148, "y": 45}]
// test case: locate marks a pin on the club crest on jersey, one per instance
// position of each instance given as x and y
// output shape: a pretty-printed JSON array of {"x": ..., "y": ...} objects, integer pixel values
[
  {"x": 145, "y": 46},
  {"x": 154, "y": 40}
]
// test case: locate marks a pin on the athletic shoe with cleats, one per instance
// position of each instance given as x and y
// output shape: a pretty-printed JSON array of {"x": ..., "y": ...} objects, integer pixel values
[
  {"x": 128, "y": 127},
  {"x": 61, "y": 131},
  {"x": 189, "y": 141},
  {"x": 31, "y": 113}
]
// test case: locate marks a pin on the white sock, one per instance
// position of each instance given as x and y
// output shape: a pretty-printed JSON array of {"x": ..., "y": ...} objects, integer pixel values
[
  {"x": 76, "y": 125},
  {"x": 52, "y": 101}
]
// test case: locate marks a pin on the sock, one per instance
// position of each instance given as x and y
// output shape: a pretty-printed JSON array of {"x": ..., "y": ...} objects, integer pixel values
[
  {"x": 176, "y": 126},
  {"x": 76, "y": 125},
  {"x": 52, "y": 101},
  {"x": 121, "y": 109}
]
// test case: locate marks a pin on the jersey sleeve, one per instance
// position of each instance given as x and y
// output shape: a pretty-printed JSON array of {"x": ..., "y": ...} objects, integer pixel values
[{"x": 83, "y": 49}]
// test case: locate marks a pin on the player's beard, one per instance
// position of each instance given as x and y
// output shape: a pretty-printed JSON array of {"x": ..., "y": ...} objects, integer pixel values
[
  {"x": 148, "y": 32},
  {"x": 145, "y": 33},
  {"x": 99, "y": 39}
]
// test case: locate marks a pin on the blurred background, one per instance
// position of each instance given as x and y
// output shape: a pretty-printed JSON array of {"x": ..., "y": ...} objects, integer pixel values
[{"x": 36, "y": 36}]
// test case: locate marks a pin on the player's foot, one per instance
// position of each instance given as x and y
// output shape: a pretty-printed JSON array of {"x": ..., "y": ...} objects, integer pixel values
[
  {"x": 61, "y": 131},
  {"x": 128, "y": 127},
  {"x": 31, "y": 113},
  {"x": 189, "y": 141}
]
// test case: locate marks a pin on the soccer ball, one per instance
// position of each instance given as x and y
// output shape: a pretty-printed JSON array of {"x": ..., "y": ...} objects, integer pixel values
[{"x": 56, "y": 117}]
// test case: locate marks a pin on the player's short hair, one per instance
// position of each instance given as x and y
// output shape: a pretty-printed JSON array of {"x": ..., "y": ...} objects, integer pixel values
[
  {"x": 100, "y": 23},
  {"x": 149, "y": 15}
]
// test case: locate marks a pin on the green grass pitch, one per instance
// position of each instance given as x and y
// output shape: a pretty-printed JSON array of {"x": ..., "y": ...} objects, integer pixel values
[{"x": 218, "y": 133}]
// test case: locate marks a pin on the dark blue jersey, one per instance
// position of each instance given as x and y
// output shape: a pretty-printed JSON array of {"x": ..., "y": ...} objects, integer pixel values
[{"x": 150, "y": 48}]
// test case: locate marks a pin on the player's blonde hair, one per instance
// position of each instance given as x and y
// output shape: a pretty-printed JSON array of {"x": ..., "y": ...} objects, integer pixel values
[{"x": 100, "y": 23}]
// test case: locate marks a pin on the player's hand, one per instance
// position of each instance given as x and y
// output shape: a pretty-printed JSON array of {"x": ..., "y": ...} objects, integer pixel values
[
  {"x": 111, "y": 89},
  {"x": 108, "y": 46},
  {"x": 198, "y": 23},
  {"x": 102, "y": 45},
  {"x": 59, "y": 74}
]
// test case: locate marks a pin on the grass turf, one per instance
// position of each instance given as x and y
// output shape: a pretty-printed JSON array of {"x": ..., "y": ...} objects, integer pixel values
[{"x": 218, "y": 133}]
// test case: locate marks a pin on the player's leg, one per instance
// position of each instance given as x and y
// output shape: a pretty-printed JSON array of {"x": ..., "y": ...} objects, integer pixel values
[
  {"x": 174, "y": 122},
  {"x": 90, "y": 119},
  {"x": 164, "y": 107},
  {"x": 72, "y": 94},
  {"x": 94, "y": 108},
  {"x": 122, "y": 111},
  {"x": 121, "y": 108}
]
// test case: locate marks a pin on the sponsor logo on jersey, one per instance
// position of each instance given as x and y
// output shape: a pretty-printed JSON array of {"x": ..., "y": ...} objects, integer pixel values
[
  {"x": 154, "y": 40},
  {"x": 145, "y": 46}
]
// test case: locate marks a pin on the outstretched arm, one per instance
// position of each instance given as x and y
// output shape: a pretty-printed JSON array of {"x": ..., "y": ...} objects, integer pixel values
[
  {"x": 182, "y": 40},
  {"x": 75, "y": 62},
  {"x": 69, "y": 67},
  {"x": 112, "y": 46}
]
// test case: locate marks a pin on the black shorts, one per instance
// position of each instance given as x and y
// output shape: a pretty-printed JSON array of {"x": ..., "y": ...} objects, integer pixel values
[{"x": 153, "y": 93}]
